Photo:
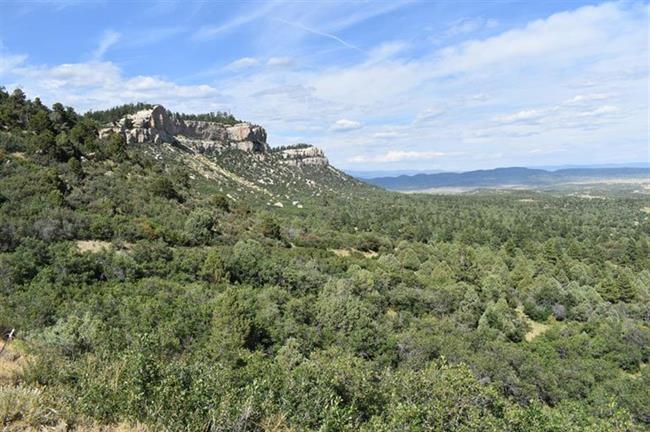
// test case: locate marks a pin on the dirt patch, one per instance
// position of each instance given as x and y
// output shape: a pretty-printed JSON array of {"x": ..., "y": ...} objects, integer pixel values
[
  {"x": 93, "y": 246},
  {"x": 646, "y": 209},
  {"x": 96, "y": 246},
  {"x": 348, "y": 252}
]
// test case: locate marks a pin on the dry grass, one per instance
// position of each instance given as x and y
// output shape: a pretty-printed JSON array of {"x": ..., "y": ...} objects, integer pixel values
[
  {"x": 12, "y": 363},
  {"x": 23, "y": 409},
  {"x": 646, "y": 209},
  {"x": 119, "y": 427},
  {"x": 536, "y": 328},
  {"x": 276, "y": 423}
]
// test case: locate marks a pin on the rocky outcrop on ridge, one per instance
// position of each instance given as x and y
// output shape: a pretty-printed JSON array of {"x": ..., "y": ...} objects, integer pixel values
[
  {"x": 304, "y": 155},
  {"x": 157, "y": 125}
]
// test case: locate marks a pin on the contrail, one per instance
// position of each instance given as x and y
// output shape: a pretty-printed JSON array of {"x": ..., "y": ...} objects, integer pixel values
[{"x": 320, "y": 33}]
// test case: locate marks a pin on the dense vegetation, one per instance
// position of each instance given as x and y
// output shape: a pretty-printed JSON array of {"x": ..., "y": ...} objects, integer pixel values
[
  {"x": 142, "y": 294},
  {"x": 116, "y": 113},
  {"x": 216, "y": 117},
  {"x": 290, "y": 147}
]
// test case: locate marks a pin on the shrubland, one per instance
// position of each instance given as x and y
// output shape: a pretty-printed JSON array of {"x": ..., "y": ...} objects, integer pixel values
[{"x": 511, "y": 311}]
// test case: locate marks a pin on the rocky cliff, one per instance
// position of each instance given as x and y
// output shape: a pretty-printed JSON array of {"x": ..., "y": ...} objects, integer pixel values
[
  {"x": 157, "y": 125},
  {"x": 304, "y": 155}
]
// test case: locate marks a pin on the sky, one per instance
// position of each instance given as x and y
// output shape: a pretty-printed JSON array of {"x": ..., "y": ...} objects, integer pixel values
[{"x": 378, "y": 85}]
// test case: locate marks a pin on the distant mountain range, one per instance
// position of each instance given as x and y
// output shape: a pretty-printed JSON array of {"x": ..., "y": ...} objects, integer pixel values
[
  {"x": 506, "y": 177},
  {"x": 388, "y": 173}
]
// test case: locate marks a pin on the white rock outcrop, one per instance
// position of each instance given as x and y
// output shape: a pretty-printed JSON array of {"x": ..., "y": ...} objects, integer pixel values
[
  {"x": 157, "y": 125},
  {"x": 304, "y": 155}
]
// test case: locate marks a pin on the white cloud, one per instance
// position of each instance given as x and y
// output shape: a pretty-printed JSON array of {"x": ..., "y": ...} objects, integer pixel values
[
  {"x": 102, "y": 85},
  {"x": 386, "y": 135},
  {"x": 561, "y": 37},
  {"x": 524, "y": 116},
  {"x": 345, "y": 125},
  {"x": 9, "y": 62},
  {"x": 601, "y": 110},
  {"x": 428, "y": 114},
  {"x": 396, "y": 156},
  {"x": 583, "y": 98},
  {"x": 279, "y": 61},
  {"x": 576, "y": 78},
  {"x": 243, "y": 63},
  {"x": 469, "y": 25},
  {"x": 109, "y": 38},
  {"x": 385, "y": 51}
]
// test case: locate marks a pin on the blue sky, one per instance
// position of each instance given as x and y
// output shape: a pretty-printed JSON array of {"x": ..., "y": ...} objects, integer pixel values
[{"x": 388, "y": 85}]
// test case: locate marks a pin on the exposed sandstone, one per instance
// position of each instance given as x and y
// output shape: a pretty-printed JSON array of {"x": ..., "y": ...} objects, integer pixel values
[
  {"x": 304, "y": 156},
  {"x": 157, "y": 125}
]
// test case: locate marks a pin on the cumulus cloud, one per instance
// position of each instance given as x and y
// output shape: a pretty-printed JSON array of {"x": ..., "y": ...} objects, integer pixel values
[
  {"x": 345, "y": 125},
  {"x": 560, "y": 37},
  {"x": 102, "y": 84}
]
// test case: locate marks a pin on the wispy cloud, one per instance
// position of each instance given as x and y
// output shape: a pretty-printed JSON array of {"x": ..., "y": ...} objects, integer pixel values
[
  {"x": 109, "y": 38},
  {"x": 242, "y": 63},
  {"x": 279, "y": 61},
  {"x": 469, "y": 25},
  {"x": 212, "y": 31},
  {"x": 152, "y": 35},
  {"x": 9, "y": 61},
  {"x": 396, "y": 156}
]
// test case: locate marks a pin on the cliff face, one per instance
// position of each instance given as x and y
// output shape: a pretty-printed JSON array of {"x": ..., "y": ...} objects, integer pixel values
[
  {"x": 157, "y": 125},
  {"x": 303, "y": 156}
]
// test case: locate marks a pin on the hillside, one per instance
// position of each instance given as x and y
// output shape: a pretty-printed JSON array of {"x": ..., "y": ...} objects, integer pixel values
[
  {"x": 234, "y": 156},
  {"x": 508, "y": 177},
  {"x": 168, "y": 272}
]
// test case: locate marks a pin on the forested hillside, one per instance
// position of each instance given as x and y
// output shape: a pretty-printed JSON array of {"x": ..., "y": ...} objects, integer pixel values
[{"x": 147, "y": 293}]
